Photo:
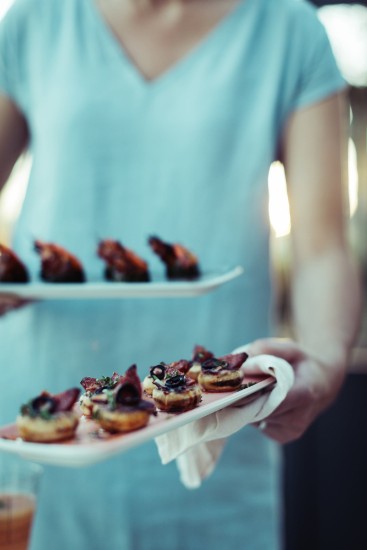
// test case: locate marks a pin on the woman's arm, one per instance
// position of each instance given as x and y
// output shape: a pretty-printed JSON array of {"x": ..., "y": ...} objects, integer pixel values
[
  {"x": 325, "y": 291},
  {"x": 13, "y": 137},
  {"x": 13, "y": 140},
  {"x": 324, "y": 284}
]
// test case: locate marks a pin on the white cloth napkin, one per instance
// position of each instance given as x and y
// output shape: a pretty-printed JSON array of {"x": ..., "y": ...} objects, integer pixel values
[{"x": 197, "y": 446}]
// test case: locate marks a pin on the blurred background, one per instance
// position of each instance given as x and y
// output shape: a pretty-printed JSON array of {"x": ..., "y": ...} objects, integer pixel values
[{"x": 325, "y": 474}]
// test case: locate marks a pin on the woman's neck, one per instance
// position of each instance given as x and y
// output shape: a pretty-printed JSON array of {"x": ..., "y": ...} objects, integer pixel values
[
  {"x": 157, "y": 34},
  {"x": 138, "y": 5}
]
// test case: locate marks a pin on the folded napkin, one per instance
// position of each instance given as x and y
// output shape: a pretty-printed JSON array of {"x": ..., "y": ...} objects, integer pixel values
[{"x": 197, "y": 446}]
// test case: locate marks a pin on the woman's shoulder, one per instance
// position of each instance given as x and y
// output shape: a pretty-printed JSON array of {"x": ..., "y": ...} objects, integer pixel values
[
  {"x": 296, "y": 11},
  {"x": 30, "y": 22},
  {"x": 296, "y": 6},
  {"x": 296, "y": 21}
]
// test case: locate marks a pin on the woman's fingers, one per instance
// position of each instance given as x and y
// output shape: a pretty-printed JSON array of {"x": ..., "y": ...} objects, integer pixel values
[
  {"x": 305, "y": 400},
  {"x": 281, "y": 433},
  {"x": 280, "y": 347}
]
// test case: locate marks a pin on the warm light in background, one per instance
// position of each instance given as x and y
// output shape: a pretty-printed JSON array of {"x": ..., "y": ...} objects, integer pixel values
[
  {"x": 12, "y": 197},
  {"x": 346, "y": 26},
  {"x": 279, "y": 214},
  {"x": 278, "y": 201},
  {"x": 353, "y": 179}
]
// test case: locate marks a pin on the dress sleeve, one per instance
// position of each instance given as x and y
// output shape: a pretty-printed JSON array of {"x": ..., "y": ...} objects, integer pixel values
[
  {"x": 10, "y": 61},
  {"x": 319, "y": 74}
]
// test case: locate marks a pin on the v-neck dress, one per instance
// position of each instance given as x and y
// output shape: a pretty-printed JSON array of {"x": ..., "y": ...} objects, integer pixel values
[{"x": 185, "y": 157}]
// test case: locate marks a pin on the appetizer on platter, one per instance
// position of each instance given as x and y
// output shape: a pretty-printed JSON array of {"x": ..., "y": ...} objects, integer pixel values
[
  {"x": 176, "y": 393},
  {"x": 163, "y": 370},
  {"x": 223, "y": 373},
  {"x": 12, "y": 269},
  {"x": 125, "y": 409},
  {"x": 199, "y": 355},
  {"x": 94, "y": 392},
  {"x": 49, "y": 418},
  {"x": 179, "y": 261},
  {"x": 58, "y": 265},
  {"x": 122, "y": 264}
]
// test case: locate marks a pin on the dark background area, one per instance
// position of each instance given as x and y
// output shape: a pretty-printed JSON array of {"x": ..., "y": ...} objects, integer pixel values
[{"x": 325, "y": 477}]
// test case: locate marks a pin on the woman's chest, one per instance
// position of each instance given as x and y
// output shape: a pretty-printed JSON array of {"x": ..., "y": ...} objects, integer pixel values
[{"x": 156, "y": 38}]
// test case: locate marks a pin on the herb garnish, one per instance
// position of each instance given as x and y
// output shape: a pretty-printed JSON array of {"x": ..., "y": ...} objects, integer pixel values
[{"x": 107, "y": 382}]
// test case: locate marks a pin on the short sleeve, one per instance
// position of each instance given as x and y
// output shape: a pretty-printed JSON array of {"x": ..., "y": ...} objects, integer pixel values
[
  {"x": 10, "y": 52},
  {"x": 319, "y": 74},
  {"x": 7, "y": 55}
]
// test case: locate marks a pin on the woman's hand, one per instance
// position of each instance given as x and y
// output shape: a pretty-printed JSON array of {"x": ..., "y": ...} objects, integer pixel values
[
  {"x": 10, "y": 302},
  {"x": 315, "y": 387}
]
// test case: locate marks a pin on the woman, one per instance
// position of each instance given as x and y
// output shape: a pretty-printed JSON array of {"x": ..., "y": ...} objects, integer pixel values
[{"x": 162, "y": 117}]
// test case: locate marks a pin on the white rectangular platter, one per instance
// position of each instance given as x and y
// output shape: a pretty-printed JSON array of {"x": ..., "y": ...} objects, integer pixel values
[
  {"x": 91, "y": 444},
  {"x": 207, "y": 282}
]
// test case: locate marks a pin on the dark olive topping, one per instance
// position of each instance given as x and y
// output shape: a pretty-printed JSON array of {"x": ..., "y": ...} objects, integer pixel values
[
  {"x": 158, "y": 371},
  {"x": 43, "y": 404},
  {"x": 214, "y": 365},
  {"x": 176, "y": 381},
  {"x": 127, "y": 394}
]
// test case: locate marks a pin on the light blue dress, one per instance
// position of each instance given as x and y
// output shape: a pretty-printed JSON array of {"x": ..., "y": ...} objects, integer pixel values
[{"x": 184, "y": 157}]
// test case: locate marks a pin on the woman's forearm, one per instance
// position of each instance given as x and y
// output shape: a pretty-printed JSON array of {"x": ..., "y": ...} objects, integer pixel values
[{"x": 326, "y": 301}]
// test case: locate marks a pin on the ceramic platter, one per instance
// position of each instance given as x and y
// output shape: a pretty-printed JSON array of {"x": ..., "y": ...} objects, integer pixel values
[
  {"x": 157, "y": 288},
  {"x": 92, "y": 444}
]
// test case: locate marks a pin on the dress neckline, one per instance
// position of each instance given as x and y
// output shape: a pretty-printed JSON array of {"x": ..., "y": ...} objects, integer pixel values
[{"x": 122, "y": 56}]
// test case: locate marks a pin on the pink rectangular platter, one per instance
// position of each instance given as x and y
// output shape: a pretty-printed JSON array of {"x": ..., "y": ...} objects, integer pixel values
[{"x": 92, "y": 444}]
